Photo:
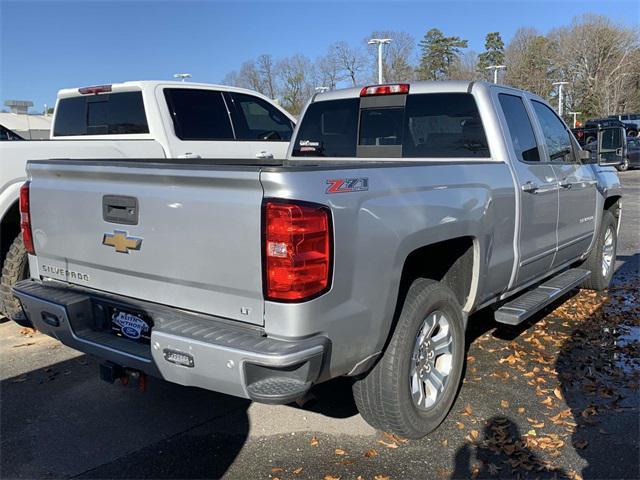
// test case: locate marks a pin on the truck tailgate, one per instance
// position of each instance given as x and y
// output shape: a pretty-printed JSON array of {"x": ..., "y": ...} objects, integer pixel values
[{"x": 184, "y": 236}]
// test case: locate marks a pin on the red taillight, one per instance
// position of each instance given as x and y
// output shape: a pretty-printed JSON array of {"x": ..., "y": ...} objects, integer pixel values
[
  {"x": 297, "y": 250},
  {"x": 384, "y": 89},
  {"x": 25, "y": 219},
  {"x": 95, "y": 89}
]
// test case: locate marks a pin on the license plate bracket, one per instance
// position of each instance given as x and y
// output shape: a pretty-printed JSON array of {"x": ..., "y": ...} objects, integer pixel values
[{"x": 130, "y": 324}]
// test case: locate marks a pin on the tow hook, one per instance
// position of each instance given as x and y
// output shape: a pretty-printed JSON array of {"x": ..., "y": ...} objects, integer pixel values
[{"x": 110, "y": 372}]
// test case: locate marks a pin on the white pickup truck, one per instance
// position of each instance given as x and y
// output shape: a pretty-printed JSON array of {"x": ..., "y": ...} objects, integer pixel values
[{"x": 141, "y": 119}]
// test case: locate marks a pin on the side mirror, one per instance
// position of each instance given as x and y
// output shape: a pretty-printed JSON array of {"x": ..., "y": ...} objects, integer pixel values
[{"x": 612, "y": 146}]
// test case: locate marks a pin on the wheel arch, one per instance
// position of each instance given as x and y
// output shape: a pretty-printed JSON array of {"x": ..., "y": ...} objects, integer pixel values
[{"x": 9, "y": 228}]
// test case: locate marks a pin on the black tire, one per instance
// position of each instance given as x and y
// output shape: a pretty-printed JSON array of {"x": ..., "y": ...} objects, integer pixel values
[
  {"x": 624, "y": 166},
  {"x": 599, "y": 281},
  {"x": 14, "y": 269},
  {"x": 589, "y": 140},
  {"x": 383, "y": 396}
]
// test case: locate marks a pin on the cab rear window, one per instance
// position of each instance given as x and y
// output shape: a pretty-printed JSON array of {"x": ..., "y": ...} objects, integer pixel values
[
  {"x": 434, "y": 125},
  {"x": 104, "y": 114}
]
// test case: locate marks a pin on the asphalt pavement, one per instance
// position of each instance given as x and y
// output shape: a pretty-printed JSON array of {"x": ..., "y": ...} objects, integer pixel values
[{"x": 556, "y": 398}]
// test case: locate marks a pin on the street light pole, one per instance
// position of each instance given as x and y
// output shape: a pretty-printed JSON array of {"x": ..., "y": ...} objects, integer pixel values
[
  {"x": 379, "y": 42},
  {"x": 182, "y": 76},
  {"x": 560, "y": 103},
  {"x": 495, "y": 69},
  {"x": 575, "y": 114}
]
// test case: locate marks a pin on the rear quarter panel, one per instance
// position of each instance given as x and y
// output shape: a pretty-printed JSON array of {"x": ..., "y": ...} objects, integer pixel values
[{"x": 405, "y": 208}]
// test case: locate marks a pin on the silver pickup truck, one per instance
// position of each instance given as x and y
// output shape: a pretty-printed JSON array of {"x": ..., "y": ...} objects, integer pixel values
[{"x": 399, "y": 211}]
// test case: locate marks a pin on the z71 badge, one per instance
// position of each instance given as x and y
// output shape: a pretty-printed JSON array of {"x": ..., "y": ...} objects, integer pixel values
[{"x": 345, "y": 185}]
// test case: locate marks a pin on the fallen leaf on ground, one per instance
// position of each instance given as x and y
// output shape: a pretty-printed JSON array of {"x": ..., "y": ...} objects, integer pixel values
[
  {"x": 370, "y": 453},
  {"x": 340, "y": 451},
  {"x": 331, "y": 477},
  {"x": 298, "y": 470},
  {"x": 388, "y": 445},
  {"x": 580, "y": 444},
  {"x": 381, "y": 477},
  {"x": 504, "y": 404},
  {"x": 314, "y": 442},
  {"x": 394, "y": 438},
  {"x": 276, "y": 469}
]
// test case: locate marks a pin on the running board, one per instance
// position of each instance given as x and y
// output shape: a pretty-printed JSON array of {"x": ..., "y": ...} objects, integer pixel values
[{"x": 527, "y": 304}]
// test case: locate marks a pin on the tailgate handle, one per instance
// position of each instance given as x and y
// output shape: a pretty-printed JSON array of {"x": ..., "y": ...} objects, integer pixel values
[{"x": 120, "y": 209}]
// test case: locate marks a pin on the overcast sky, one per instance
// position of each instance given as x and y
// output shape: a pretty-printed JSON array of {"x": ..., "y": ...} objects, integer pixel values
[{"x": 50, "y": 45}]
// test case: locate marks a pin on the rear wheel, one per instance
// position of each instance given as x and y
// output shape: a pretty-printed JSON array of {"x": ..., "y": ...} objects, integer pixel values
[
  {"x": 413, "y": 386},
  {"x": 601, "y": 260},
  {"x": 14, "y": 269}
]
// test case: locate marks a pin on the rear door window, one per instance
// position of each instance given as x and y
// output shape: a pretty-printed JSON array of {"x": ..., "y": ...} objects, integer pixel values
[
  {"x": 104, "y": 114},
  {"x": 520, "y": 128},
  {"x": 329, "y": 129},
  {"x": 199, "y": 114},
  {"x": 255, "y": 119}
]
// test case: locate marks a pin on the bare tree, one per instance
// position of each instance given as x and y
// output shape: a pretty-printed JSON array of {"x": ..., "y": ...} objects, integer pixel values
[
  {"x": 465, "y": 67},
  {"x": 601, "y": 62},
  {"x": 529, "y": 61},
  {"x": 351, "y": 60},
  {"x": 231, "y": 79},
  {"x": 328, "y": 71},
  {"x": 397, "y": 57},
  {"x": 296, "y": 75},
  {"x": 267, "y": 71}
]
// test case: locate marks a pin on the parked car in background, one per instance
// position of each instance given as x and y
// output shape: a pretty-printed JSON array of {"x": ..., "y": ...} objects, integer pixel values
[
  {"x": 632, "y": 158},
  {"x": 141, "y": 119},
  {"x": 8, "y": 135},
  {"x": 589, "y": 131},
  {"x": 400, "y": 210},
  {"x": 629, "y": 118}
]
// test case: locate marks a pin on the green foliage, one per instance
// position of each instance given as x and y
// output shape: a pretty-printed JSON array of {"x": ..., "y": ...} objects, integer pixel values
[
  {"x": 493, "y": 54},
  {"x": 439, "y": 53}
]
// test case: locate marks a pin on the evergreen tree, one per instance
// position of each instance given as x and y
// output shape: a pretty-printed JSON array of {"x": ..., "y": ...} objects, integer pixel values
[
  {"x": 439, "y": 53},
  {"x": 493, "y": 54}
]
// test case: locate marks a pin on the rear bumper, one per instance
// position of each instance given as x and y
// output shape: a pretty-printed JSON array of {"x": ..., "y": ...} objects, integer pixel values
[{"x": 221, "y": 355}]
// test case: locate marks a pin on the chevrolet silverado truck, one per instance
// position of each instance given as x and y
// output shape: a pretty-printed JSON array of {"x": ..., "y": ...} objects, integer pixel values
[
  {"x": 143, "y": 119},
  {"x": 400, "y": 210}
]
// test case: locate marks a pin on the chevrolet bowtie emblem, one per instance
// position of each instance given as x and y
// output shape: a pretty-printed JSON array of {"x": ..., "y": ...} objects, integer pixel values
[{"x": 121, "y": 241}]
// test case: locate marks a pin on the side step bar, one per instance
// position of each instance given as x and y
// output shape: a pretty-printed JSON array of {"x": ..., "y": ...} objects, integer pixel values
[{"x": 527, "y": 304}]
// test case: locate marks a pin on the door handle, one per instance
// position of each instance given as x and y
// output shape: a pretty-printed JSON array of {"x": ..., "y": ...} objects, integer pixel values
[
  {"x": 189, "y": 155},
  {"x": 566, "y": 184},
  {"x": 530, "y": 187},
  {"x": 264, "y": 154}
]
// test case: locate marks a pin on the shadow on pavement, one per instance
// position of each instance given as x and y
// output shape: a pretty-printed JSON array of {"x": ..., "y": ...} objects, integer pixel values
[
  {"x": 62, "y": 421},
  {"x": 599, "y": 371},
  {"x": 502, "y": 452}
]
